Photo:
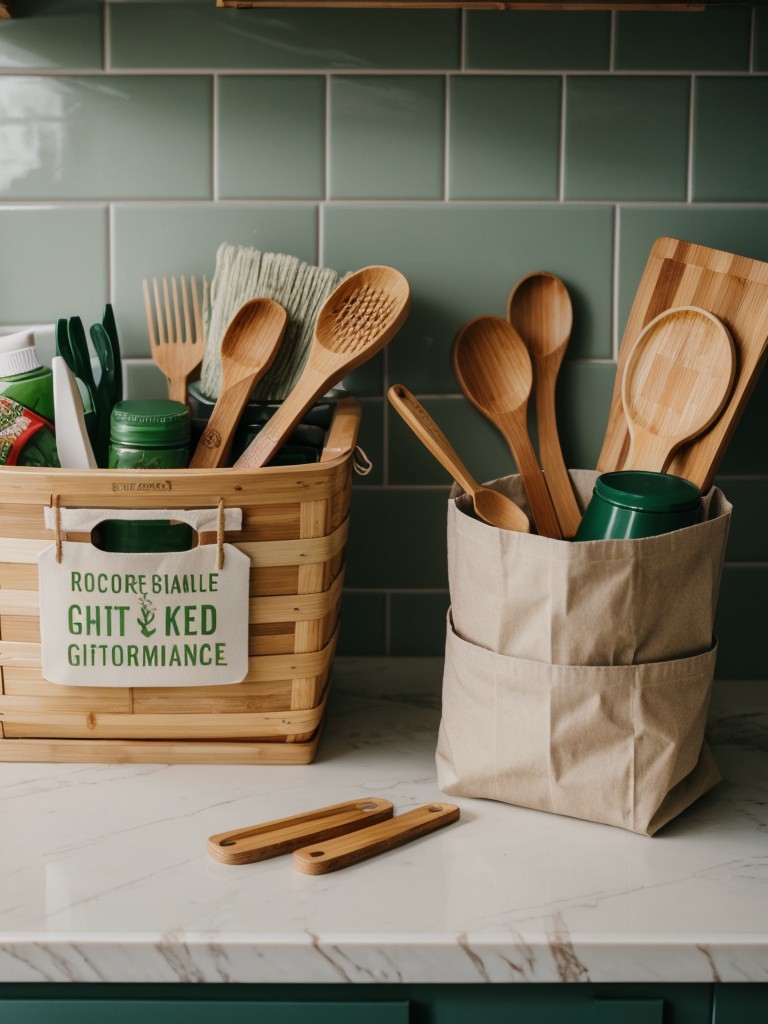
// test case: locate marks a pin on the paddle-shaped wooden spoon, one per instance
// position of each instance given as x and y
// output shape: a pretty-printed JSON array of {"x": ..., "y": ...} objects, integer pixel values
[
  {"x": 539, "y": 308},
  {"x": 677, "y": 380},
  {"x": 358, "y": 319},
  {"x": 247, "y": 349},
  {"x": 494, "y": 371},
  {"x": 492, "y": 507}
]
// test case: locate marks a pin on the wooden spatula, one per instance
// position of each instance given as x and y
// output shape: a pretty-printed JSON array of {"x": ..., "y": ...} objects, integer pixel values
[
  {"x": 676, "y": 383},
  {"x": 249, "y": 345}
]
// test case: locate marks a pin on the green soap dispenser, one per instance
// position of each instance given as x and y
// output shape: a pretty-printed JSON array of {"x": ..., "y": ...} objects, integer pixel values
[{"x": 25, "y": 385}]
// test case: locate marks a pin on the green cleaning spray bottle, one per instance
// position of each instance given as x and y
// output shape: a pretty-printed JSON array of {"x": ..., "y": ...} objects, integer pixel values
[{"x": 26, "y": 404}]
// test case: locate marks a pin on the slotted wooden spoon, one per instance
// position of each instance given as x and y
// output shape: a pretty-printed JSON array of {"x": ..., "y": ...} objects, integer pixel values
[
  {"x": 676, "y": 383},
  {"x": 248, "y": 348},
  {"x": 494, "y": 371},
  {"x": 358, "y": 319},
  {"x": 539, "y": 308},
  {"x": 492, "y": 507}
]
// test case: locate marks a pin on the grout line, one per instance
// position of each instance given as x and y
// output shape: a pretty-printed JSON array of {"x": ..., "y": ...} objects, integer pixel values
[
  {"x": 205, "y": 72},
  {"x": 463, "y": 40},
  {"x": 327, "y": 137},
  {"x": 752, "y": 39},
  {"x": 111, "y": 252},
  {"x": 214, "y": 137},
  {"x": 387, "y": 622},
  {"x": 692, "y": 96},
  {"x": 612, "y": 42},
  {"x": 446, "y": 139},
  {"x": 106, "y": 58},
  {"x": 615, "y": 284},
  {"x": 561, "y": 154}
]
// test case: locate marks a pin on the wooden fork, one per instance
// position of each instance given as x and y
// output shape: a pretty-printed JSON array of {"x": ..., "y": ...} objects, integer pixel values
[{"x": 177, "y": 350}]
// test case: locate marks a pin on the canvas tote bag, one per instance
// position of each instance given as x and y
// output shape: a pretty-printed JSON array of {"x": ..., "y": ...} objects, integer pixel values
[{"x": 577, "y": 675}]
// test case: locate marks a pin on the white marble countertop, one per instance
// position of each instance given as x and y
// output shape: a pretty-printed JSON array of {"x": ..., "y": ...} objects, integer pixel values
[{"x": 104, "y": 874}]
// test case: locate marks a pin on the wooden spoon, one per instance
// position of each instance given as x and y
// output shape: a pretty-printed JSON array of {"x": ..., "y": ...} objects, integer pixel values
[
  {"x": 492, "y": 507},
  {"x": 358, "y": 319},
  {"x": 676, "y": 383},
  {"x": 249, "y": 345},
  {"x": 539, "y": 308},
  {"x": 494, "y": 370}
]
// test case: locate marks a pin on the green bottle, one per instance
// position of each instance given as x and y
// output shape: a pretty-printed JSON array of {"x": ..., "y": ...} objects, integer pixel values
[
  {"x": 26, "y": 404},
  {"x": 149, "y": 434}
]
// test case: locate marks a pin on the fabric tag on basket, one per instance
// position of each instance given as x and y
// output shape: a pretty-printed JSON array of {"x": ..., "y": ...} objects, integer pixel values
[{"x": 177, "y": 618}]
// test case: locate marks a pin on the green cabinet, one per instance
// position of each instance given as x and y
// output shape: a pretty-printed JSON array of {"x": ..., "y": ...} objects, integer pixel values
[
  {"x": 182, "y": 1011},
  {"x": 362, "y": 1004},
  {"x": 741, "y": 1004}
]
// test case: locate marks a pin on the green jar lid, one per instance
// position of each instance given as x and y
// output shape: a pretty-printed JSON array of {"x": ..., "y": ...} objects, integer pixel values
[
  {"x": 151, "y": 423},
  {"x": 647, "y": 492}
]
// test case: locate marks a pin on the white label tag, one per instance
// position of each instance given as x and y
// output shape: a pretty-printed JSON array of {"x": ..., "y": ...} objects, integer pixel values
[{"x": 166, "y": 619}]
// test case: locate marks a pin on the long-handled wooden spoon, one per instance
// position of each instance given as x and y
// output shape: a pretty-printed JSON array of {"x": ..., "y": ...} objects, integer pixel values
[
  {"x": 358, "y": 319},
  {"x": 492, "y": 507},
  {"x": 539, "y": 308},
  {"x": 494, "y": 371},
  {"x": 249, "y": 345},
  {"x": 676, "y": 383}
]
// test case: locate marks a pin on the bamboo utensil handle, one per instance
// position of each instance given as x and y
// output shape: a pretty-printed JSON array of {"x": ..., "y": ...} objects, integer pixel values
[
  {"x": 351, "y": 849},
  {"x": 272, "y": 838}
]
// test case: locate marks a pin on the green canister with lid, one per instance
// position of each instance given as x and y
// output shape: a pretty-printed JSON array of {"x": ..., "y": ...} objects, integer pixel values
[
  {"x": 147, "y": 434},
  {"x": 630, "y": 504}
]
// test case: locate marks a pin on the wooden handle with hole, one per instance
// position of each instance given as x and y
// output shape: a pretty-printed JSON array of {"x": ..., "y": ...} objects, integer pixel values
[
  {"x": 272, "y": 838},
  {"x": 350, "y": 849}
]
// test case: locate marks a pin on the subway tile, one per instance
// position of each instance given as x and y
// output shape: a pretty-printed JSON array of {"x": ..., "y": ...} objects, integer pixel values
[
  {"x": 53, "y": 34},
  {"x": 271, "y": 137},
  {"x": 461, "y": 262},
  {"x": 370, "y": 438},
  {"x": 626, "y": 137},
  {"x": 362, "y": 626},
  {"x": 716, "y": 39},
  {"x": 740, "y": 623},
  {"x": 155, "y": 240},
  {"x": 417, "y": 624},
  {"x": 53, "y": 263},
  {"x": 746, "y": 452},
  {"x": 760, "y": 53},
  {"x": 478, "y": 444},
  {"x": 198, "y": 35},
  {"x": 105, "y": 137},
  {"x": 397, "y": 538},
  {"x": 143, "y": 380},
  {"x": 583, "y": 398},
  {"x": 747, "y": 537},
  {"x": 386, "y": 137},
  {"x": 741, "y": 230},
  {"x": 730, "y": 148},
  {"x": 504, "y": 137},
  {"x": 538, "y": 40}
]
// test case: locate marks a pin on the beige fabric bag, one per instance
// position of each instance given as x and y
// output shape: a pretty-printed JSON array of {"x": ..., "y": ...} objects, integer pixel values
[{"x": 577, "y": 676}]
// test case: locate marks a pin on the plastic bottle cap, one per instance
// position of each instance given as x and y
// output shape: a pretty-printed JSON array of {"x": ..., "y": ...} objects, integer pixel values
[
  {"x": 152, "y": 423},
  {"x": 18, "y": 354}
]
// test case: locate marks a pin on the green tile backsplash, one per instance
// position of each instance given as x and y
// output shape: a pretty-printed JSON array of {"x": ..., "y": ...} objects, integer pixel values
[{"x": 465, "y": 148}]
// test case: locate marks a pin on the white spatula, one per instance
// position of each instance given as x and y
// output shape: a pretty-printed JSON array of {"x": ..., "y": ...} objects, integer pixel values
[{"x": 72, "y": 441}]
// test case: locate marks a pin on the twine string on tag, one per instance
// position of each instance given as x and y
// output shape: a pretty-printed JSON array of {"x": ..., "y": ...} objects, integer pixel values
[
  {"x": 220, "y": 536},
  {"x": 57, "y": 527}
]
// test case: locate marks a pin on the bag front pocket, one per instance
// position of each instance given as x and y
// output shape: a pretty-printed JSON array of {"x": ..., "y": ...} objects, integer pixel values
[{"x": 622, "y": 744}]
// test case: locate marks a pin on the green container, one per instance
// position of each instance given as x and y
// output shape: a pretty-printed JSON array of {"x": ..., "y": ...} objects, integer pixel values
[
  {"x": 151, "y": 434},
  {"x": 630, "y": 504}
]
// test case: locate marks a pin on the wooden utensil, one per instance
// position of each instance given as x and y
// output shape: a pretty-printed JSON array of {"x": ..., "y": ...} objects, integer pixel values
[
  {"x": 492, "y": 507},
  {"x": 676, "y": 383},
  {"x": 539, "y": 308},
  {"x": 272, "y": 838},
  {"x": 735, "y": 290},
  {"x": 249, "y": 345},
  {"x": 351, "y": 849},
  {"x": 494, "y": 371},
  {"x": 357, "y": 320},
  {"x": 177, "y": 348}
]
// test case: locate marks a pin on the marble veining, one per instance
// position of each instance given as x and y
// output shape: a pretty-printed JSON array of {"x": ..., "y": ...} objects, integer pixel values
[{"x": 104, "y": 874}]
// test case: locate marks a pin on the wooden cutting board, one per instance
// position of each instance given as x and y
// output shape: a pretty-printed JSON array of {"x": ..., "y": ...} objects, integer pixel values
[{"x": 735, "y": 289}]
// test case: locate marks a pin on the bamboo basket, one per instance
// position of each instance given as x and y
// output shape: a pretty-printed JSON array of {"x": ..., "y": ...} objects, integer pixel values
[{"x": 295, "y": 522}]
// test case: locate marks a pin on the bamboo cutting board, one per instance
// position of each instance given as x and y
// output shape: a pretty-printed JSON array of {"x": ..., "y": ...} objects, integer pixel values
[{"x": 735, "y": 289}]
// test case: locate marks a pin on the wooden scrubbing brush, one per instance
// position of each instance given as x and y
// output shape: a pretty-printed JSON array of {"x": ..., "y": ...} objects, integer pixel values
[{"x": 243, "y": 273}]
